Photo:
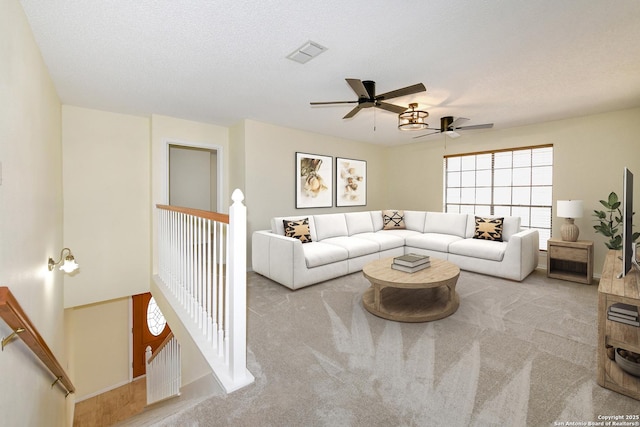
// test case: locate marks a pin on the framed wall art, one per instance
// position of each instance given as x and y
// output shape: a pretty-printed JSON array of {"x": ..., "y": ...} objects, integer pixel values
[
  {"x": 314, "y": 176},
  {"x": 351, "y": 182}
]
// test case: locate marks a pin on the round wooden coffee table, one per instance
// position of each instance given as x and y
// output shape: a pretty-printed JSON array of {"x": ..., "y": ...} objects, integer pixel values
[{"x": 423, "y": 296}]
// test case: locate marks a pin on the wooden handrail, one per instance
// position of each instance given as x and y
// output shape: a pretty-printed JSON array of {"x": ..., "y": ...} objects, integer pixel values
[
  {"x": 17, "y": 320},
  {"x": 160, "y": 347},
  {"x": 215, "y": 216}
]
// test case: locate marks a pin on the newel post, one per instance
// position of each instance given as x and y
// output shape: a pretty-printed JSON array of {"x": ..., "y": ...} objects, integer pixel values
[{"x": 237, "y": 287}]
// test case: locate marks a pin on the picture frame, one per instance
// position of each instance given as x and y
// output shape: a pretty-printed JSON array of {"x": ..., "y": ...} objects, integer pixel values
[
  {"x": 351, "y": 182},
  {"x": 314, "y": 181}
]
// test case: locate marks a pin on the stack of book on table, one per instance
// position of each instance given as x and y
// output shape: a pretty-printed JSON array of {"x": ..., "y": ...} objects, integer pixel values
[
  {"x": 623, "y": 313},
  {"x": 411, "y": 263}
]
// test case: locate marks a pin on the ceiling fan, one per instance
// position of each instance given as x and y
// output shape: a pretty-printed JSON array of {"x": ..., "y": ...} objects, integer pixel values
[
  {"x": 449, "y": 126},
  {"x": 366, "y": 91}
]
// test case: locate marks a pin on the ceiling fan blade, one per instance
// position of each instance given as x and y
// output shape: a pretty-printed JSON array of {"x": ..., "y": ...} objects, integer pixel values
[
  {"x": 353, "y": 112},
  {"x": 484, "y": 126},
  {"x": 333, "y": 102},
  {"x": 427, "y": 134},
  {"x": 391, "y": 107},
  {"x": 457, "y": 121},
  {"x": 358, "y": 88},
  {"x": 409, "y": 90}
]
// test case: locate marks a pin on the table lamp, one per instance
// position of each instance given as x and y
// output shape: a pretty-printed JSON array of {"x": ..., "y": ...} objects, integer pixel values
[{"x": 569, "y": 210}]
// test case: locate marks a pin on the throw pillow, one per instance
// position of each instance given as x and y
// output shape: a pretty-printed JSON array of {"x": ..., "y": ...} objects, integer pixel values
[
  {"x": 489, "y": 229},
  {"x": 393, "y": 220},
  {"x": 298, "y": 229}
]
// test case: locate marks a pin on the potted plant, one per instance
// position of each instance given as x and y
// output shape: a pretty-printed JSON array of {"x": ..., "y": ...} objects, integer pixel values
[{"x": 610, "y": 222}]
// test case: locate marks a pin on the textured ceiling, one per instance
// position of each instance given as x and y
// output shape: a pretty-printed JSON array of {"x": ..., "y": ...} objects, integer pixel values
[{"x": 509, "y": 62}]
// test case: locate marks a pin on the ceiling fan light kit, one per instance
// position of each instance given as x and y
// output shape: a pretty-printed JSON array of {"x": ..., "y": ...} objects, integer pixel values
[{"x": 413, "y": 119}]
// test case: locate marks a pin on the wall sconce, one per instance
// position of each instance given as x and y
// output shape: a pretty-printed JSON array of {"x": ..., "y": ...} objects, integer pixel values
[
  {"x": 569, "y": 210},
  {"x": 69, "y": 265}
]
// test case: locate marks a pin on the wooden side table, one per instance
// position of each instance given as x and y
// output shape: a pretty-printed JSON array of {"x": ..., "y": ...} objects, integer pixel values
[{"x": 570, "y": 260}]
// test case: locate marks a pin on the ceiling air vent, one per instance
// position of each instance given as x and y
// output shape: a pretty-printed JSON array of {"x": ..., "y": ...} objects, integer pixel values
[{"x": 306, "y": 52}]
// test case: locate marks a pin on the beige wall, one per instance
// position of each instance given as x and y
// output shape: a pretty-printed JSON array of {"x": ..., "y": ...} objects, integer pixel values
[
  {"x": 100, "y": 346},
  {"x": 237, "y": 157},
  {"x": 186, "y": 166},
  {"x": 269, "y": 171},
  {"x": 589, "y": 156},
  {"x": 168, "y": 130},
  {"x": 106, "y": 178},
  {"x": 30, "y": 222}
]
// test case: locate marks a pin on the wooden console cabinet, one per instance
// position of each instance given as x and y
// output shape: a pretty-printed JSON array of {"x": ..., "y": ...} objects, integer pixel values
[
  {"x": 617, "y": 335},
  {"x": 570, "y": 260}
]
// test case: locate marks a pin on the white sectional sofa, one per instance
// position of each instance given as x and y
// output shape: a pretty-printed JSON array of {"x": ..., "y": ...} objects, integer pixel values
[{"x": 342, "y": 243}]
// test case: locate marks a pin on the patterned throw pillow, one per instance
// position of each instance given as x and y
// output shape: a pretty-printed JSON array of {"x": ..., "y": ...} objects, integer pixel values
[
  {"x": 489, "y": 229},
  {"x": 393, "y": 220},
  {"x": 298, "y": 229}
]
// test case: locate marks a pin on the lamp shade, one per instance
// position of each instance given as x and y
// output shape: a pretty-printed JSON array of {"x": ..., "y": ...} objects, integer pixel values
[
  {"x": 69, "y": 265},
  {"x": 569, "y": 208}
]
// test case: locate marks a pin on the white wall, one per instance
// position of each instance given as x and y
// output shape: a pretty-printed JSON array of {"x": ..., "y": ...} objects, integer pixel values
[
  {"x": 107, "y": 212},
  {"x": 30, "y": 222},
  {"x": 589, "y": 156}
]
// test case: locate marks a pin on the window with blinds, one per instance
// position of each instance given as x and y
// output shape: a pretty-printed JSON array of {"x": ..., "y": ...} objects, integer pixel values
[{"x": 515, "y": 182}]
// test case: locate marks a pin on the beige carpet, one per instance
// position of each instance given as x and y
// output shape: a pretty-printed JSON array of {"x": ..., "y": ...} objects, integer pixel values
[{"x": 514, "y": 354}]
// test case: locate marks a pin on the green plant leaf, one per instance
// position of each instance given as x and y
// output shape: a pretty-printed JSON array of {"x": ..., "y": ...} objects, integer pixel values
[{"x": 610, "y": 221}]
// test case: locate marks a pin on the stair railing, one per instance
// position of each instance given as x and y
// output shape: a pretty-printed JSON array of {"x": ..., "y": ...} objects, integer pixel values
[
  {"x": 13, "y": 314},
  {"x": 163, "y": 374},
  {"x": 202, "y": 273}
]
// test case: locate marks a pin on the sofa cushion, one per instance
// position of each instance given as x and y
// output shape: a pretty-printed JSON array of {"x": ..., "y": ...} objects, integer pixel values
[
  {"x": 355, "y": 247},
  {"x": 414, "y": 220},
  {"x": 393, "y": 220},
  {"x": 319, "y": 253},
  {"x": 432, "y": 241},
  {"x": 477, "y": 248},
  {"x": 446, "y": 223},
  {"x": 488, "y": 228},
  {"x": 330, "y": 225},
  {"x": 401, "y": 233},
  {"x": 277, "y": 225},
  {"x": 359, "y": 222},
  {"x": 510, "y": 226},
  {"x": 298, "y": 229},
  {"x": 376, "y": 219},
  {"x": 386, "y": 240}
]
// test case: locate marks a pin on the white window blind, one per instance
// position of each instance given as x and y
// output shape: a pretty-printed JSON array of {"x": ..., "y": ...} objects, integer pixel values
[{"x": 515, "y": 182}]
